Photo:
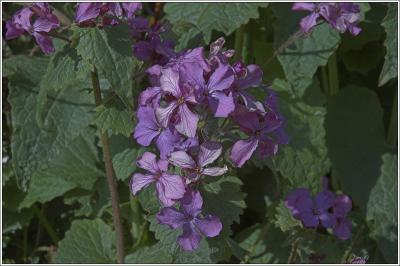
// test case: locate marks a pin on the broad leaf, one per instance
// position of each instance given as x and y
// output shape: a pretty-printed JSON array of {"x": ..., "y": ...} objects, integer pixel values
[
  {"x": 125, "y": 163},
  {"x": 87, "y": 241},
  {"x": 356, "y": 140},
  {"x": 284, "y": 218},
  {"x": 191, "y": 19},
  {"x": 390, "y": 23},
  {"x": 155, "y": 254},
  {"x": 382, "y": 206},
  {"x": 117, "y": 121}
]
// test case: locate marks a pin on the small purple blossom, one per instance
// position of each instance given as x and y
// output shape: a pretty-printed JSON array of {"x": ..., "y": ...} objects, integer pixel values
[
  {"x": 44, "y": 22},
  {"x": 341, "y": 207},
  {"x": 188, "y": 217},
  {"x": 208, "y": 153},
  {"x": 169, "y": 187}
]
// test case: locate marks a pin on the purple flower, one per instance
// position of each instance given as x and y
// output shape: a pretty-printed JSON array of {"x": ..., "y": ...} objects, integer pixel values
[
  {"x": 358, "y": 260},
  {"x": 312, "y": 212},
  {"x": 217, "y": 56},
  {"x": 262, "y": 135},
  {"x": 182, "y": 99},
  {"x": 155, "y": 50},
  {"x": 195, "y": 56},
  {"x": 150, "y": 97},
  {"x": 87, "y": 11},
  {"x": 169, "y": 187},
  {"x": 188, "y": 218},
  {"x": 212, "y": 91},
  {"x": 208, "y": 153},
  {"x": 292, "y": 199},
  {"x": 341, "y": 207},
  {"x": 45, "y": 21},
  {"x": 148, "y": 129}
]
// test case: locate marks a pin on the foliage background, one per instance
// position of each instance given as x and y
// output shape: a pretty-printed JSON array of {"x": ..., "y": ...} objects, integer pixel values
[{"x": 337, "y": 92}]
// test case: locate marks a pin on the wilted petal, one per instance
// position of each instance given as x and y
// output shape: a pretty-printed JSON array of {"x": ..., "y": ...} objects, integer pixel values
[
  {"x": 215, "y": 171},
  {"x": 209, "y": 226},
  {"x": 308, "y": 22},
  {"x": 171, "y": 217},
  {"x": 303, "y": 6},
  {"x": 164, "y": 114},
  {"x": 140, "y": 181},
  {"x": 148, "y": 161},
  {"x": 174, "y": 188},
  {"x": 209, "y": 152},
  {"x": 192, "y": 202},
  {"x": 169, "y": 82},
  {"x": 188, "y": 121},
  {"x": 242, "y": 151},
  {"x": 182, "y": 159},
  {"x": 190, "y": 239},
  {"x": 45, "y": 42},
  {"x": 221, "y": 79}
]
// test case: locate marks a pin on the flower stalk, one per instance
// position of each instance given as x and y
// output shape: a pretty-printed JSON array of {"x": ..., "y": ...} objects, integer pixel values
[{"x": 112, "y": 184}]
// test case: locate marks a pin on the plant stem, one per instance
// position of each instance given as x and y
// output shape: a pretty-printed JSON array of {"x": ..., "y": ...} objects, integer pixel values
[
  {"x": 25, "y": 247},
  {"x": 333, "y": 75},
  {"x": 353, "y": 242},
  {"x": 325, "y": 80},
  {"x": 57, "y": 35},
  {"x": 112, "y": 184},
  {"x": 45, "y": 223},
  {"x": 392, "y": 130},
  {"x": 293, "y": 251},
  {"x": 239, "y": 38}
]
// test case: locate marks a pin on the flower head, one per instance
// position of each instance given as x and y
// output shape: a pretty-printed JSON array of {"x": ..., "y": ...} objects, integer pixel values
[
  {"x": 169, "y": 187},
  {"x": 189, "y": 218}
]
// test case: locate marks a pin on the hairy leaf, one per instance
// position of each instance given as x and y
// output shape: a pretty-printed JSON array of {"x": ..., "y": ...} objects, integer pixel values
[
  {"x": 110, "y": 118},
  {"x": 125, "y": 163}
]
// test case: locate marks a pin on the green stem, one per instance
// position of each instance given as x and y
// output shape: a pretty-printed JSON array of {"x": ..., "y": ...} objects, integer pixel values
[
  {"x": 239, "y": 38},
  {"x": 45, "y": 223},
  {"x": 392, "y": 130},
  {"x": 333, "y": 75},
  {"x": 325, "y": 79},
  {"x": 293, "y": 251},
  {"x": 110, "y": 173},
  {"x": 25, "y": 249},
  {"x": 353, "y": 242}
]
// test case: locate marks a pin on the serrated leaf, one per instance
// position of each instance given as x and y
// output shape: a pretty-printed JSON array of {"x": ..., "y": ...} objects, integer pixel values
[
  {"x": 74, "y": 167},
  {"x": 284, "y": 218},
  {"x": 356, "y": 140},
  {"x": 110, "y": 118},
  {"x": 301, "y": 59},
  {"x": 87, "y": 241},
  {"x": 305, "y": 159},
  {"x": 382, "y": 208},
  {"x": 155, "y": 254},
  {"x": 110, "y": 51},
  {"x": 29, "y": 68},
  {"x": 390, "y": 23},
  {"x": 125, "y": 162},
  {"x": 195, "y": 18},
  {"x": 66, "y": 117}
]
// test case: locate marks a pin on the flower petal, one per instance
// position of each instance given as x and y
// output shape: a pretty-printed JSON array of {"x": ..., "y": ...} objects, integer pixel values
[
  {"x": 147, "y": 128},
  {"x": 13, "y": 31},
  {"x": 150, "y": 96},
  {"x": 164, "y": 114},
  {"x": 169, "y": 82},
  {"x": 171, "y": 217},
  {"x": 45, "y": 42},
  {"x": 148, "y": 161},
  {"x": 209, "y": 226},
  {"x": 327, "y": 219},
  {"x": 343, "y": 229},
  {"x": 160, "y": 191},
  {"x": 252, "y": 78},
  {"x": 309, "y": 220},
  {"x": 190, "y": 239},
  {"x": 174, "y": 188},
  {"x": 242, "y": 151},
  {"x": 140, "y": 181},
  {"x": 308, "y": 22},
  {"x": 87, "y": 11},
  {"x": 324, "y": 200},
  {"x": 342, "y": 205},
  {"x": 303, "y": 6},
  {"x": 209, "y": 152},
  {"x": 215, "y": 171},
  {"x": 45, "y": 24},
  {"x": 221, "y": 79},
  {"x": 182, "y": 159},
  {"x": 166, "y": 142},
  {"x": 221, "y": 104},
  {"x": 188, "y": 121},
  {"x": 192, "y": 202}
]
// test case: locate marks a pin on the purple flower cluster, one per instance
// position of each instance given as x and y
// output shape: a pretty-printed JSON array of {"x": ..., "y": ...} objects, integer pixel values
[
  {"x": 341, "y": 15},
  {"x": 43, "y": 20},
  {"x": 189, "y": 89},
  {"x": 326, "y": 209}
]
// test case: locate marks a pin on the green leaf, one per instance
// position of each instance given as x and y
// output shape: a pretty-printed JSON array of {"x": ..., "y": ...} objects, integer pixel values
[
  {"x": 110, "y": 118},
  {"x": 382, "y": 208},
  {"x": 301, "y": 59},
  {"x": 75, "y": 166},
  {"x": 125, "y": 162},
  {"x": 356, "y": 140},
  {"x": 110, "y": 51},
  {"x": 190, "y": 19},
  {"x": 68, "y": 115},
  {"x": 284, "y": 218},
  {"x": 305, "y": 159},
  {"x": 87, "y": 241},
  {"x": 156, "y": 254},
  {"x": 390, "y": 23},
  {"x": 29, "y": 68}
]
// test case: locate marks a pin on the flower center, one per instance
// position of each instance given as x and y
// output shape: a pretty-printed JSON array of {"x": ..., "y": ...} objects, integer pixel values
[{"x": 181, "y": 100}]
